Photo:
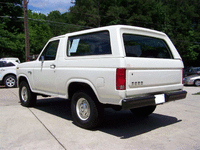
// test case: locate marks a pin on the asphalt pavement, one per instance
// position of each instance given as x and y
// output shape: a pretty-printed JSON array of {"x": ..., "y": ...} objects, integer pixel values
[{"x": 49, "y": 126}]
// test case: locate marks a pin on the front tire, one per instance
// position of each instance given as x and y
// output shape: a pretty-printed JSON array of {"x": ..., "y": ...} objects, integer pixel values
[
  {"x": 27, "y": 97},
  {"x": 87, "y": 112},
  {"x": 10, "y": 81},
  {"x": 143, "y": 111}
]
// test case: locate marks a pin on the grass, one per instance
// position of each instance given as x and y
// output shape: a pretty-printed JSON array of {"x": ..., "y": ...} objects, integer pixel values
[{"x": 198, "y": 93}]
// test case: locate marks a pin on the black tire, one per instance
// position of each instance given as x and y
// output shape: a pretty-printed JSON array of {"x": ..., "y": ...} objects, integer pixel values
[
  {"x": 143, "y": 111},
  {"x": 10, "y": 81},
  {"x": 197, "y": 82},
  {"x": 27, "y": 97},
  {"x": 87, "y": 112}
]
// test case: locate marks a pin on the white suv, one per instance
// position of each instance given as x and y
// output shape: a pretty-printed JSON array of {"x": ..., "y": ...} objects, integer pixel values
[
  {"x": 8, "y": 72},
  {"x": 119, "y": 66}
]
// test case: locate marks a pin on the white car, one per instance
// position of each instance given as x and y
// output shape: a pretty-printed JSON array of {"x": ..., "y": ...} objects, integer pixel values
[
  {"x": 8, "y": 72},
  {"x": 192, "y": 80},
  {"x": 10, "y": 59}
]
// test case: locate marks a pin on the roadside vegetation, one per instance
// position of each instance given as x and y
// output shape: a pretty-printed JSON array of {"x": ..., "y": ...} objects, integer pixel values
[
  {"x": 179, "y": 19},
  {"x": 198, "y": 93}
]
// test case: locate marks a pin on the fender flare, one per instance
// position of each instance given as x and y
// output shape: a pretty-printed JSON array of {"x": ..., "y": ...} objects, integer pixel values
[
  {"x": 85, "y": 81},
  {"x": 22, "y": 75}
]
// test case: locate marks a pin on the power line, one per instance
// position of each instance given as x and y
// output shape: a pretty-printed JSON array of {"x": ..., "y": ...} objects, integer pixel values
[
  {"x": 48, "y": 21},
  {"x": 61, "y": 23}
]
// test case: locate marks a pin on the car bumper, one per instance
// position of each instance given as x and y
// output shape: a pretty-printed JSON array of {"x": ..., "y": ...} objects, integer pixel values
[{"x": 143, "y": 101}]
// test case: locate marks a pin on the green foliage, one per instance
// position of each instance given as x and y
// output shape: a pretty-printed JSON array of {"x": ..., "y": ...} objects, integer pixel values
[
  {"x": 179, "y": 19},
  {"x": 39, "y": 32},
  {"x": 11, "y": 28}
]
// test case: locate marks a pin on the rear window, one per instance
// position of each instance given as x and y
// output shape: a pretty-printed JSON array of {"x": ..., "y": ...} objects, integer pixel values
[
  {"x": 143, "y": 46},
  {"x": 89, "y": 44}
]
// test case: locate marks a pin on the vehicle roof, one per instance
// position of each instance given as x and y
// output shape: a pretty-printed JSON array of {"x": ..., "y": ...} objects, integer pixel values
[
  {"x": 112, "y": 27},
  {"x": 10, "y": 59}
]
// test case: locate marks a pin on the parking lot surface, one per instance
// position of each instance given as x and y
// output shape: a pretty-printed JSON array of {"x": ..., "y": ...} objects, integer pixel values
[{"x": 49, "y": 125}]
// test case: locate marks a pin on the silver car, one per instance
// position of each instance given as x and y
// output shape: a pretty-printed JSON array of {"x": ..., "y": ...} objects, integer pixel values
[{"x": 192, "y": 80}]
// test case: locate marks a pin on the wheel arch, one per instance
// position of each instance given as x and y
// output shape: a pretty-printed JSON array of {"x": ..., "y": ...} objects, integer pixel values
[
  {"x": 78, "y": 85},
  {"x": 8, "y": 75},
  {"x": 23, "y": 78}
]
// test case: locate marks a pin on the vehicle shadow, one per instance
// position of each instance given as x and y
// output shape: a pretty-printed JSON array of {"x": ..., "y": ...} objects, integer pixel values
[
  {"x": 122, "y": 124},
  {"x": 55, "y": 106},
  {"x": 4, "y": 87}
]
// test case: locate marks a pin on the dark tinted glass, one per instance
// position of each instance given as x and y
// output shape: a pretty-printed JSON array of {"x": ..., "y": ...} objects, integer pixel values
[
  {"x": 89, "y": 44},
  {"x": 142, "y": 46},
  {"x": 6, "y": 64},
  {"x": 50, "y": 51},
  {"x": 9, "y": 64}
]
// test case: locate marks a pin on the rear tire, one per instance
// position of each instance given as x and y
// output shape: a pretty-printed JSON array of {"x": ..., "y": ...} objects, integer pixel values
[
  {"x": 87, "y": 112},
  {"x": 197, "y": 83},
  {"x": 143, "y": 111},
  {"x": 27, "y": 97}
]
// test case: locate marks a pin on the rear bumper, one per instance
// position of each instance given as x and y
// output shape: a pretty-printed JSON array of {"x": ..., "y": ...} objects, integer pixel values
[{"x": 142, "y": 101}]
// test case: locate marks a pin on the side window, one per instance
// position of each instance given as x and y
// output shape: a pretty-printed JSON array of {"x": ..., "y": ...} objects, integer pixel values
[
  {"x": 142, "y": 46},
  {"x": 9, "y": 64},
  {"x": 1, "y": 64},
  {"x": 6, "y": 64},
  {"x": 89, "y": 44},
  {"x": 50, "y": 51}
]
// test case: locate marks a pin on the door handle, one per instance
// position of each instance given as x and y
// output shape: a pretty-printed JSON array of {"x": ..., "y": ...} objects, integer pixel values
[{"x": 53, "y": 66}]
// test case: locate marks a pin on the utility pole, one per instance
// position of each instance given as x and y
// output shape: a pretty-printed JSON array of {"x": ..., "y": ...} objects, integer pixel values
[
  {"x": 27, "y": 50},
  {"x": 73, "y": 1}
]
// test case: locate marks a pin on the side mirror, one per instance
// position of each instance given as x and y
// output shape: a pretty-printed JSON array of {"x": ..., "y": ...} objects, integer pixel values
[{"x": 42, "y": 58}]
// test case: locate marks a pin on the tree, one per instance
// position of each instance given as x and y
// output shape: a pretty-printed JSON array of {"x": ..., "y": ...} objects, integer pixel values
[
  {"x": 39, "y": 32},
  {"x": 179, "y": 19},
  {"x": 86, "y": 13},
  {"x": 183, "y": 28},
  {"x": 11, "y": 28}
]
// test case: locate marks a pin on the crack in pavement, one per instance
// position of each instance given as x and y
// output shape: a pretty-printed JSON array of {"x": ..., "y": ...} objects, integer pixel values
[{"x": 47, "y": 129}]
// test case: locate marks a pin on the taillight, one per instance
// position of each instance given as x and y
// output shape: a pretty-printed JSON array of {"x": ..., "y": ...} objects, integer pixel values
[{"x": 121, "y": 79}]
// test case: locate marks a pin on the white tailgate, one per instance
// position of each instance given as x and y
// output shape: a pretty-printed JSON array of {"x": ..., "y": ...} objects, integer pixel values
[{"x": 148, "y": 75}]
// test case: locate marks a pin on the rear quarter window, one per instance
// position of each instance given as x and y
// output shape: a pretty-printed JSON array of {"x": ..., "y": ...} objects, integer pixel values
[
  {"x": 89, "y": 44},
  {"x": 147, "y": 47}
]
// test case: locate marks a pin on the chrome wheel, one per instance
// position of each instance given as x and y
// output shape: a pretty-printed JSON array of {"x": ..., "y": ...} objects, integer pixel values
[
  {"x": 83, "y": 109},
  {"x": 27, "y": 97},
  {"x": 10, "y": 82},
  {"x": 24, "y": 94},
  {"x": 86, "y": 111}
]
